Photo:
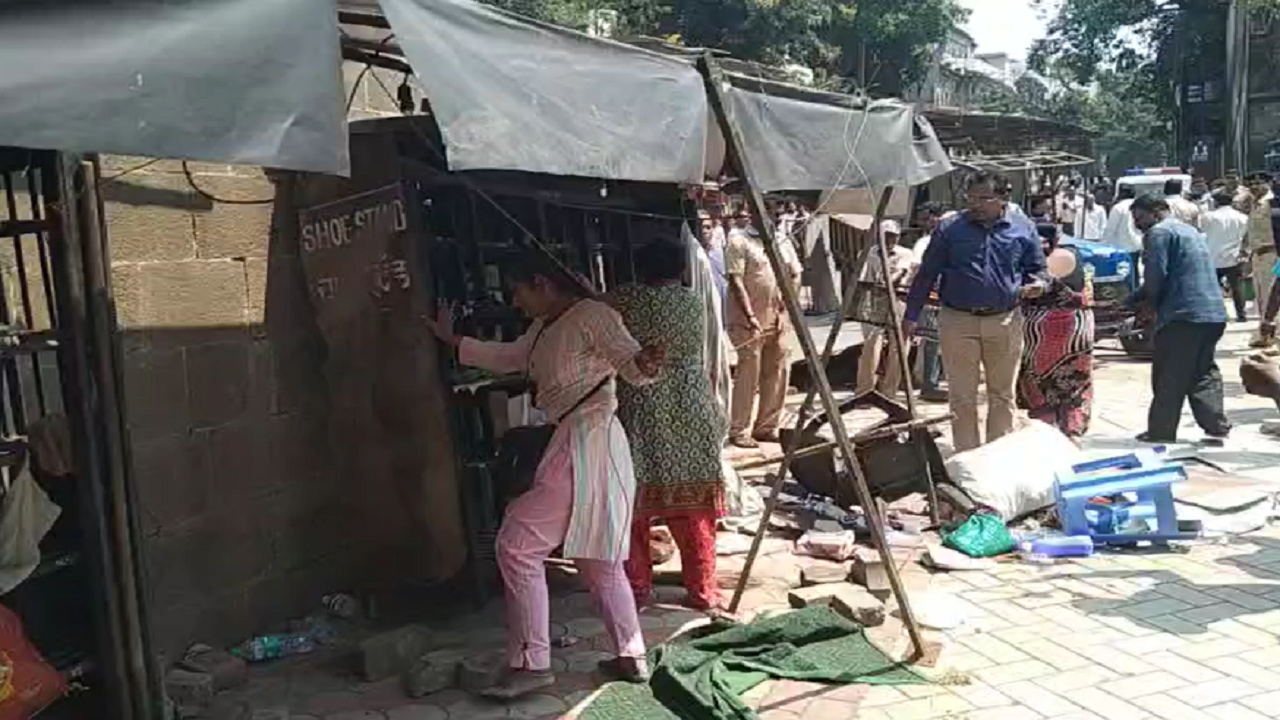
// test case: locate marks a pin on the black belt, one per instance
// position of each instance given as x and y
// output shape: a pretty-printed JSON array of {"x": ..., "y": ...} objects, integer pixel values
[{"x": 980, "y": 311}]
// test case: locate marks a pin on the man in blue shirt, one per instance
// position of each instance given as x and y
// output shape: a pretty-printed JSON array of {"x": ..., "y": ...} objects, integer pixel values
[
  {"x": 1181, "y": 288},
  {"x": 983, "y": 260}
]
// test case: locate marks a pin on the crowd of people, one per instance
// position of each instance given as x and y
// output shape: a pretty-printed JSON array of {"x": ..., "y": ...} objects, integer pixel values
[{"x": 1012, "y": 312}]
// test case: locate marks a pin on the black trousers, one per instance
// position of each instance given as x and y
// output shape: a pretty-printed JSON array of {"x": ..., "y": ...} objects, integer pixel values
[
  {"x": 1235, "y": 283},
  {"x": 1183, "y": 368}
]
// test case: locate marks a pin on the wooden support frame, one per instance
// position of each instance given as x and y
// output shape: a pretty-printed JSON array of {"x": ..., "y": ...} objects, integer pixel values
[{"x": 714, "y": 81}]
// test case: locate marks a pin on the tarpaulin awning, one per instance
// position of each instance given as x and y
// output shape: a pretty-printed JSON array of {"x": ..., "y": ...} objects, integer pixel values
[
  {"x": 251, "y": 82},
  {"x": 833, "y": 141},
  {"x": 512, "y": 94}
]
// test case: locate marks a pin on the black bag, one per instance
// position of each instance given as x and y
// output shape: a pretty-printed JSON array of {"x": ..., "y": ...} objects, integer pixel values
[{"x": 521, "y": 449}]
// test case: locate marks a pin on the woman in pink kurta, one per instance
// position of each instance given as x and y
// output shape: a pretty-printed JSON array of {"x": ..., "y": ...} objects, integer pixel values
[{"x": 584, "y": 491}]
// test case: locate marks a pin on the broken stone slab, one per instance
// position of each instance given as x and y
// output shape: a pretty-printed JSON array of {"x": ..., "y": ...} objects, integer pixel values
[
  {"x": 478, "y": 672},
  {"x": 186, "y": 688},
  {"x": 227, "y": 670},
  {"x": 851, "y": 601},
  {"x": 823, "y": 574},
  {"x": 868, "y": 571},
  {"x": 393, "y": 652},
  {"x": 859, "y": 605},
  {"x": 433, "y": 672}
]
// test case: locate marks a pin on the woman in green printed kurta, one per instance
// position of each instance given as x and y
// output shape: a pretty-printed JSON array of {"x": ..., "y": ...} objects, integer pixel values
[{"x": 675, "y": 426}]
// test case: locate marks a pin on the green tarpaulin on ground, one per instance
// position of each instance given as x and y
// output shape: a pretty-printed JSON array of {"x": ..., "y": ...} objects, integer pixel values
[{"x": 703, "y": 677}]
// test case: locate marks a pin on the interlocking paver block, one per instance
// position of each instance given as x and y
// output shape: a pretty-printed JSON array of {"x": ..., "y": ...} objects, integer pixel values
[
  {"x": 1213, "y": 649},
  {"x": 1259, "y": 677},
  {"x": 1054, "y": 654},
  {"x": 1164, "y": 706},
  {"x": 1039, "y": 699},
  {"x": 1233, "y": 711},
  {"x": 927, "y": 708},
  {"x": 1097, "y": 701},
  {"x": 1188, "y": 670},
  {"x": 1264, "y": 657},
  {"x": 994, "y": 648},
  {"x": 1242, "y": 598},
  {"x": 1013, "y": 672},
  {"x": 982, "y": 695},
  {"x": 1128, "y": 688},
  {"x": 1065, "y": 682},
  {"x": 1120, "y": 661},
  {"x": 1215, "y": 693},
  {"x": 1265, "y": 703},
  {"x": 1211, "y": 613},
  {"x": 1007, "y": 713},
  {"x": 1152, "y": 608},
  {"x": 1186, "y": 594}
]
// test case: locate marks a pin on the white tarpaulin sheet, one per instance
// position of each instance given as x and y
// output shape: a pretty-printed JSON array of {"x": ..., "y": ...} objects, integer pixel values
[
  {"x": 253, "y": 82},
  {"x": 510, "y": 94}
]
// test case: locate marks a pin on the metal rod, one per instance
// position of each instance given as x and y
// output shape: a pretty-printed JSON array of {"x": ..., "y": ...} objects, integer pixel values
[
  {"x": 904, "y": 363},
  {"x": 851, "y": 294},
  {"x": 733, "y": 141},
  {"x": 123, "y": 493},
  {"x": 63, "y": 186}
]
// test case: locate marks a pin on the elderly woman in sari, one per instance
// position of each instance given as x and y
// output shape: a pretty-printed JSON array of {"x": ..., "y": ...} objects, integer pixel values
[
  {"x": 678, "y": 426},
  {"x": 584, "y": 490},
  {"x": 1055, "y": 384}
]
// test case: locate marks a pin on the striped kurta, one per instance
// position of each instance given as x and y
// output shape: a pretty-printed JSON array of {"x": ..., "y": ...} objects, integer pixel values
[{"x": 578, "y": 349}]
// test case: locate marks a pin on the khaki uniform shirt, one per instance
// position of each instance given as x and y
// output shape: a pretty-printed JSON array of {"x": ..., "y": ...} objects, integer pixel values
[{"x": 744, "y": 257}]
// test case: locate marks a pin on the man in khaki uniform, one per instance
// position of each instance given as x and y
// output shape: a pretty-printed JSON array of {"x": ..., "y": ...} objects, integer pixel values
[
  {"x": 758, "y": 329},
  {"x": 1261, "y": 248}
]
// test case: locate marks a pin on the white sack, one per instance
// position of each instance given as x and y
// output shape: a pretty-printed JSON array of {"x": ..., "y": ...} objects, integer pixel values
[{"x": 1015, "y": 474}]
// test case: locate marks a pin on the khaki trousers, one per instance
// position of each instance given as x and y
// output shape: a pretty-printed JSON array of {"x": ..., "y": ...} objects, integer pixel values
[
  {"x": 762, "y": 370},
  {"x": 971, "y": 346},
  {"x": 877, "y": 343},
  {"x": 1262, "y": 279}
]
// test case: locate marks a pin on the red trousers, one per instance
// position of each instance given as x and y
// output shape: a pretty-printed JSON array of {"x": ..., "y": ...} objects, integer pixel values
[{"x": 695, "y": 536}]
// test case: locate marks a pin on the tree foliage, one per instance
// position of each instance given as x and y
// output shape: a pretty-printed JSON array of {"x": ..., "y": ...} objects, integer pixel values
[
  {"x": 883, "y": 44},
  {"x": 1132, "y": 55}
]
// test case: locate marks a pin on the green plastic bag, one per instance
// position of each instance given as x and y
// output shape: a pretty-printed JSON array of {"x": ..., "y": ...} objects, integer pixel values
[{"x": 981, "y": 535}]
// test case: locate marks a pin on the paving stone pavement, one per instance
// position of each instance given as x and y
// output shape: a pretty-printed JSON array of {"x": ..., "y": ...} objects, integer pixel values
[{"x": 1190, "y": 632}]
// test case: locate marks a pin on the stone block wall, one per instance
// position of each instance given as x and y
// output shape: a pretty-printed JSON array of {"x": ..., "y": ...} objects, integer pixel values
[
  {"x": 241, "y": 508},
  {"x": 246, "y": 517}
]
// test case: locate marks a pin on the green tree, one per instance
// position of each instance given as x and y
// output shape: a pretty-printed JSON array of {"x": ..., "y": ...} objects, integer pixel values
[{"x": 885, "y": 45}]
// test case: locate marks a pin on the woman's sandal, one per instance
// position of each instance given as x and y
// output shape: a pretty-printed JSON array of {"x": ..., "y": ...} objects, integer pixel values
[
  {"x": 514, "y": 683},
  {"x": 624, "y": 669}
]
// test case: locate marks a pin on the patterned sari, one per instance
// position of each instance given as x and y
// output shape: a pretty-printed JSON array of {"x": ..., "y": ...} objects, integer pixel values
[{"x": 1055, "y": 384}]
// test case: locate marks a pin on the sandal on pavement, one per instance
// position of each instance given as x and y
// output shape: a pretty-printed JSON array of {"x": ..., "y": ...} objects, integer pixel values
[
  {"x": 514, "y": 683},
  {"x": 624, "y": 669}
]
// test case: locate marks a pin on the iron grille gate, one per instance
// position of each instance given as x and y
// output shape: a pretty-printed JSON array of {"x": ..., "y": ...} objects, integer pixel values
[
  {"x": 469, "y": 242},
  {"x": 57, "y": 372}
]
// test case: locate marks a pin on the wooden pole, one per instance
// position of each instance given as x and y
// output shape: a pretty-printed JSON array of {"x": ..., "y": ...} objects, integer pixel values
[
  {"x": 792, "y": 451},
  {"x": 733, "y": 142}
]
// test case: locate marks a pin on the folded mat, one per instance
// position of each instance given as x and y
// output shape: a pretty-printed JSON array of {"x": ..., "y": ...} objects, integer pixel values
[{"x": 703, "y": 677}]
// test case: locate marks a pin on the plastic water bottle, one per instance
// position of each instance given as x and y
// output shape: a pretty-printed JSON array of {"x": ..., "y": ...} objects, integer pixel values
[{"x": 270, "y": 647}]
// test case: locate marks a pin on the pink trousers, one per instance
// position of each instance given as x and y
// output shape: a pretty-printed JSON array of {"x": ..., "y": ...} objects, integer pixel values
[{"x": 533, "y": 527}]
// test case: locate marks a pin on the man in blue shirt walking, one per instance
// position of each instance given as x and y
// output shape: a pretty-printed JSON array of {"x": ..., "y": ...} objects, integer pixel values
[
  {"x": 984, "y": 260},
  {"x": 1181, "y": 288}
]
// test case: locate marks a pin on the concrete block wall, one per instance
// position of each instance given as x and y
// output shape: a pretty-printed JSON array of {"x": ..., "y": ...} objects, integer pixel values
[{"x": 241, "y": 506}]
